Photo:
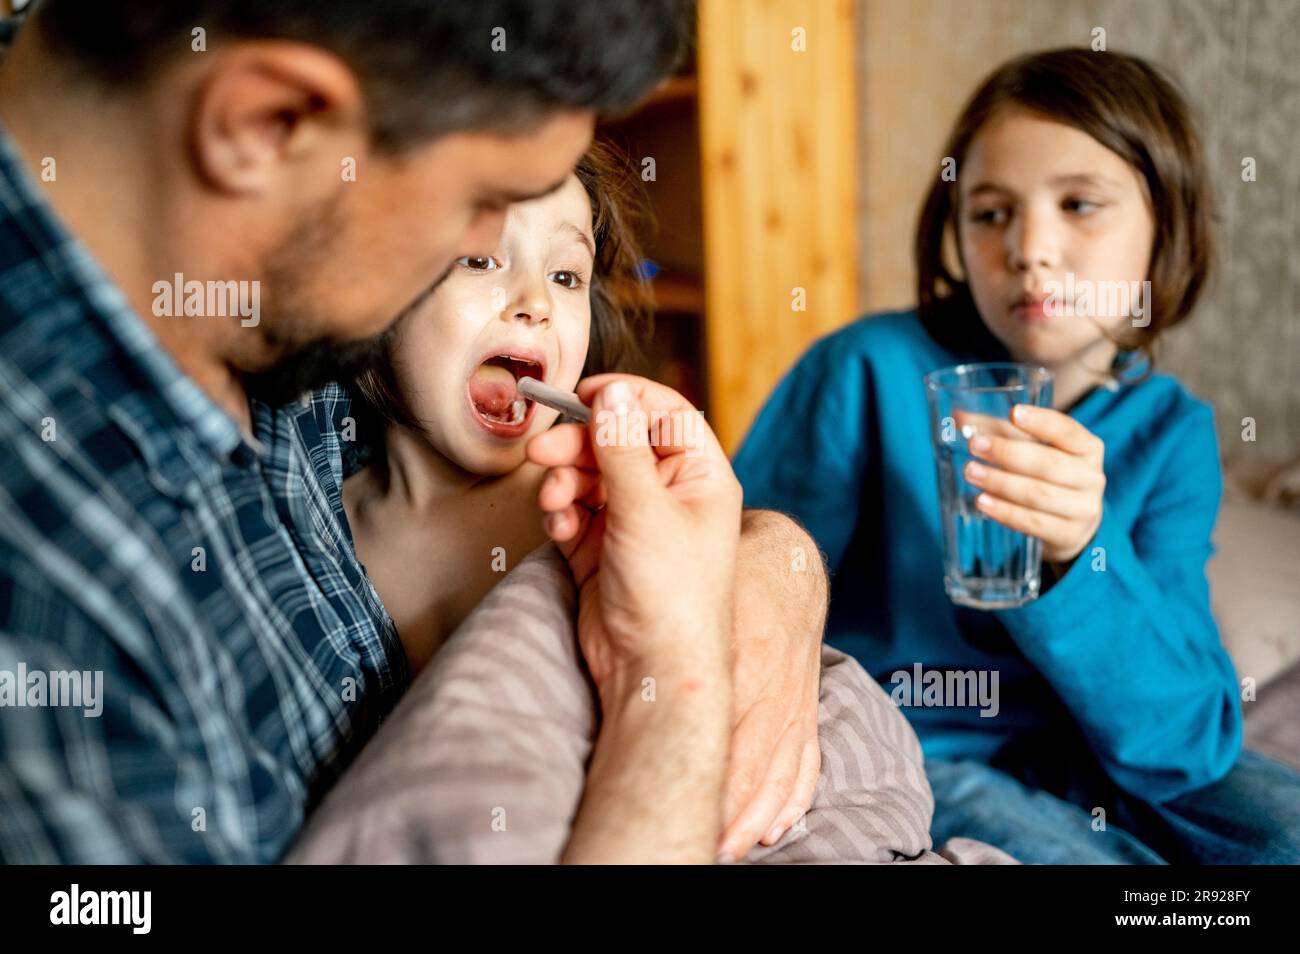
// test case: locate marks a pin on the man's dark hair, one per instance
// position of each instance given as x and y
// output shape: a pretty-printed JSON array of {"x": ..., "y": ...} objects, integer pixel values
[{"x": 427, "y": 67}]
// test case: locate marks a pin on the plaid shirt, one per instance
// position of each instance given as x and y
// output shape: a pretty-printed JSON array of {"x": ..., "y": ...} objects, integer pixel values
[{"x": 210, "y": 578}]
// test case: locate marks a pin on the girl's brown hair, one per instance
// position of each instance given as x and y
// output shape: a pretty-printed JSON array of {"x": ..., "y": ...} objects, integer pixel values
[
  {"x": 1132, "y": 109},
  {"x": 622, "y": 306}
]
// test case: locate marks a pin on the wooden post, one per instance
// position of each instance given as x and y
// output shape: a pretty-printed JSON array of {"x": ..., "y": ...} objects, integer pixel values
[{"x": 778, "y": 131}]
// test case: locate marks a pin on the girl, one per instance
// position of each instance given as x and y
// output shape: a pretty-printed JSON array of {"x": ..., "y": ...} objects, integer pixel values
[
  {"x": 1118, "y": 729},
  {"x": 450, "y": 501}
]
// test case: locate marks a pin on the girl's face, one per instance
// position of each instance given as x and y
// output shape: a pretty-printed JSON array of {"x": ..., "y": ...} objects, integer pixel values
[
  {"x": 1040, "y": 201},
  {"x": 522, "y": 309}
]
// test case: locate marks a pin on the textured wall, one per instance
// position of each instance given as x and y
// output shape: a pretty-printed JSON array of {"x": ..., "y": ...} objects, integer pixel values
[{"x": 1238, "y": 62}]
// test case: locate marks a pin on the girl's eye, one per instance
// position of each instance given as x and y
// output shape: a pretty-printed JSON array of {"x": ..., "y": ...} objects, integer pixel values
[
  {"x": 566, "y": 278},
  {"x": 988, "y": 216},
  {"x": 1081, "y": 206},
  {"x": 477, "y": 264}
]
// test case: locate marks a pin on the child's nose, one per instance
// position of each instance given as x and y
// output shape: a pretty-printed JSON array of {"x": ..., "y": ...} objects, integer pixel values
[
  {"x": 532, "y": 306},
  {"x": 1032, "y": 243}
]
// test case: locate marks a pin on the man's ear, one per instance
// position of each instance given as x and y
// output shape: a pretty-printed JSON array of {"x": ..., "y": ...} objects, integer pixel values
[{"x": 273, "y": 115}]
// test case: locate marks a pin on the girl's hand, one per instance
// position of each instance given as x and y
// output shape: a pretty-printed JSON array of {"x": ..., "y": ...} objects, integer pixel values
[{"x": 1053, "y": 490}]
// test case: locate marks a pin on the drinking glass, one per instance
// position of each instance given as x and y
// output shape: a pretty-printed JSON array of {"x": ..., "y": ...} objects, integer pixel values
[{"x": 985, "y": 565}]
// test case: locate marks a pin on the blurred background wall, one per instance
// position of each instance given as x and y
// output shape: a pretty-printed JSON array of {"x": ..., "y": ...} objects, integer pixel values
[{"x": 1237, "y": 61}]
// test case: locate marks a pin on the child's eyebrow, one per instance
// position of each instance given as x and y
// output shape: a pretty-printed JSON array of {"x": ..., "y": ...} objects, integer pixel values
[
  {"x": 1083, "y": 179},
  {"x": 1065, "y": 179},
  {"x": 980, "y": 187},
  {"x": 582, "y": 236}
]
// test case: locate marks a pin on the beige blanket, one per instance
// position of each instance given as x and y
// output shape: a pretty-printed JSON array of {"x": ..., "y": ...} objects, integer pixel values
[{"x": 483, "y": 761}]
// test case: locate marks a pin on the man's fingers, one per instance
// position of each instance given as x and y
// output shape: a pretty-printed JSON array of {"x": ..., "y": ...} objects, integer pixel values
[
  {"x": 751, "y": 748},
  {"x": 564, "y": 524},
  {"x": 761, "y": 814},
  {"x": 565, "y": 445},
  {"x": 622, "y": 445},
  {"x": 677, "y": 426},
  {"x": 564, "y": 486},
  {"x": 580, "y": 541},
  {"x": 801, "y": 799},
  {"x": 1059, "y": 430},
  {"x": 651, "y": 395}
]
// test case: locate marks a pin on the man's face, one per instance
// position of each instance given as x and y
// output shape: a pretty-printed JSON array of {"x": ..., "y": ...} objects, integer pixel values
[{"x": 359, "y": 259}]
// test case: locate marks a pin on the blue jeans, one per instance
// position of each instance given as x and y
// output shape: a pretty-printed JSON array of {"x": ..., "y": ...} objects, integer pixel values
[{"x": 1250, "y": 816}]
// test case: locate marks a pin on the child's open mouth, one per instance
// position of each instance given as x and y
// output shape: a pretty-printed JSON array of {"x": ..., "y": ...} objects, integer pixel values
[{"x": 494, "y": 399}]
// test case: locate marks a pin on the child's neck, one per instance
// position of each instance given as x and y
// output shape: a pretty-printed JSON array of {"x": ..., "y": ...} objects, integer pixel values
[
  {"x": 1076, "y": 377},
  {"x": 418, "y": 476}
]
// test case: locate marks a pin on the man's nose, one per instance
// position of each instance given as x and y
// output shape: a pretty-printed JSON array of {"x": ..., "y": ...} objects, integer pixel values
[
  {"x": 485, "y": 232},
  {"x": 1033, "y": 242}
]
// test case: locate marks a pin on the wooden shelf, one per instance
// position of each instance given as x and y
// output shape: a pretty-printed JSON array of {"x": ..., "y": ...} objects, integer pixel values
[
  {"x": 678, "y": 294},
  {"x": 666, "y": 126},
  {"x": 674, "y": 90}
]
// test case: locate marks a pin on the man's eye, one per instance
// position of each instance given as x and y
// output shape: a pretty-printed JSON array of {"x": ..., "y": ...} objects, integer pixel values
[
  {"x": 477, "y": 264},
  {"x": 567, "y": 279}
]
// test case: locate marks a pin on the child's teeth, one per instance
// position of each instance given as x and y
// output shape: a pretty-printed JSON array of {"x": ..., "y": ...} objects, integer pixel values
[{"x": 518, "y": 409}]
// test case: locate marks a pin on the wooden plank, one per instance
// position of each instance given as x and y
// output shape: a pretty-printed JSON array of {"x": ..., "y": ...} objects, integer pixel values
[{"x": 778, "y": 130}]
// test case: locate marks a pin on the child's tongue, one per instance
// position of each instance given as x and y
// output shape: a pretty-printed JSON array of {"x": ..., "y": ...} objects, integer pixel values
[{"x": 492, "y": 389}]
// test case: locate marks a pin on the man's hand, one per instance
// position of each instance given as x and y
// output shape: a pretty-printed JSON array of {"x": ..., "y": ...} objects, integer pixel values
[
  {"x": 655, "y": 567},
  {"x": 780, "y": 613}
]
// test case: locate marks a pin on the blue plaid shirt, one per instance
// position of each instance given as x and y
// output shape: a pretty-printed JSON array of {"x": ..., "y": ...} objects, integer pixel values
[{"x": 210, "y": 579}]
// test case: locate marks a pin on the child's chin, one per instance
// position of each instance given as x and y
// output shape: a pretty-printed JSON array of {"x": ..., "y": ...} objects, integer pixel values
[
  {"x": 1038, "y": 345},
  {"x": 493, "y": 461}
]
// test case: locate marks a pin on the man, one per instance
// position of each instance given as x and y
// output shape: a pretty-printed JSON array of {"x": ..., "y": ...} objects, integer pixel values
[{"x": 316, "y": 167}]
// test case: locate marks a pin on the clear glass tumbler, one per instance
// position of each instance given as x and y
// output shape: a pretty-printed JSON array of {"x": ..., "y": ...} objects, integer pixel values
[{"x": 985, "y": 565}]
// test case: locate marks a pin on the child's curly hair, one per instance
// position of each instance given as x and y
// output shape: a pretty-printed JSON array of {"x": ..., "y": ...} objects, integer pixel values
[{"x": 622, "y": 306}]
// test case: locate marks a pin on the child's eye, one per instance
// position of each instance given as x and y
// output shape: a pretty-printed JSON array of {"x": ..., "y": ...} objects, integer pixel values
[
  {"x": 566, "y": 278},
  {"x": 1082, "y": 206},
  {"x": 988, "y": 216},
  {"x": 476, "y": 263}
]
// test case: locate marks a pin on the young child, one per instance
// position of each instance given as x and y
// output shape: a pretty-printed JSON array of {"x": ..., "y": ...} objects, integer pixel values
[
  {"x": 1117, "y": 735},
  {"x": 449, "y": 501}
]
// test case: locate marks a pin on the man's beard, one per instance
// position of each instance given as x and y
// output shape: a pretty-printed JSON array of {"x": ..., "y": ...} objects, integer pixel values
[
  {"x": 314, "y": 365},
  {"x": 309, "y": 361}
]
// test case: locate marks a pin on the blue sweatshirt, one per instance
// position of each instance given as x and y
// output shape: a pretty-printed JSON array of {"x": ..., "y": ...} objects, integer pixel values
[{"x": 1121, "y": 650}]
